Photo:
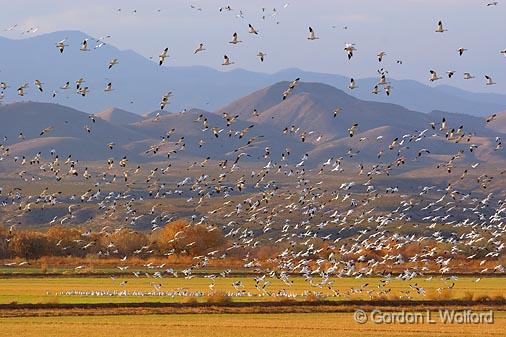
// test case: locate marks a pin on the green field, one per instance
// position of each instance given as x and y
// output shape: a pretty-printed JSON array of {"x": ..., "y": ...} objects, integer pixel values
[
  {"x": 209, "y": 325},
  {"x": 52, "y": 289}
]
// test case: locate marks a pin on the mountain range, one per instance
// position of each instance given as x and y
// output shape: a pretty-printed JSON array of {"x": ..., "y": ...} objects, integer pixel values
[
  {"x": 302, "y": 124},
  {"x": 139, "y": 83}
]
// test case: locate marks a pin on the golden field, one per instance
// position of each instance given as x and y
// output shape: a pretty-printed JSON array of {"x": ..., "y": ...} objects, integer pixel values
[{"x": 210, "y": 325}]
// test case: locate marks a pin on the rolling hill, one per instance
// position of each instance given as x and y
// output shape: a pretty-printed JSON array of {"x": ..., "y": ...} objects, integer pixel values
[
  {"x": 301, "y": 124},
  {"x": 118, "y": 116}
]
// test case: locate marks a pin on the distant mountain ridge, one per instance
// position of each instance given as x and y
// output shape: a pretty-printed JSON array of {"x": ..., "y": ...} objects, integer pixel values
[{"x": 139, "y": 83}]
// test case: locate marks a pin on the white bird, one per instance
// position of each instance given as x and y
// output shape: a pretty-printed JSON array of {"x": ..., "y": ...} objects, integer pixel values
[
  {"x": 433, "y": 76},
  {"x": 440, "y": 28},
  {"x": 380, "y": 56},
  {"x": 312, "y": 35},
  {"x": 79, "y": 82},
  {"x": 46, "y": 130},
  {"x": 461, "y": 50},
  {"x": 383, "y": 80},
  {"x": 388, "y": 89},
  {"x": 235, "y": 39},
  {"x": 61, "y": 46},
  {"x": 38, "y": 84},
  {"x": 252, "y": 29},
  {"x": 112, "y": 63},
  {"x": 349, "y": 48},
  {"x": 108, "y": 87},
  {"x": 83, "y": 91},
  {"x": 163, "y": 55},
  {"x": 165, "y": 100},
  {"x": 489, "y": 80},
  {"x": 353, "y": 129},
  {"x": 491, "y": 118},
  {"x": 84, "y": 46},
  {"x": 226, "y": 61},
  {"x": 199, "y": 49},
  {"x": 261, "y": 55},
  {"x": 450, "y": 73},
  {"x": 468, "y": 76},
  {"x": 21, "y": 89},
  {"x": 352, "y": 84}
]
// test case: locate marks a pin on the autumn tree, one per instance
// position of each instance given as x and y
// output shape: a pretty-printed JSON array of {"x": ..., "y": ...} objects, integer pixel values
[
  {"x": 125, "y": 241},
  {"x": 183, "y": 237},
  {"x": 4, "y": 243},
  {"x": 29, "y": 244},
  {"x": 64, "y": 241}
]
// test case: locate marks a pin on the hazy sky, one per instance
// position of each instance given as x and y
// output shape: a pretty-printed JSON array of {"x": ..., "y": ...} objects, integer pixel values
[{"x": 404, "y": 29}]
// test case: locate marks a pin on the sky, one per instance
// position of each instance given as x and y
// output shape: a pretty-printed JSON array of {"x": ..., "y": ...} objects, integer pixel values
[{"x": 404, "y": 29}]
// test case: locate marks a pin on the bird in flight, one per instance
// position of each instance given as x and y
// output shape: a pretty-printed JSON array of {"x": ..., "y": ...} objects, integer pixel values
[{"x": 163, "y": 55}]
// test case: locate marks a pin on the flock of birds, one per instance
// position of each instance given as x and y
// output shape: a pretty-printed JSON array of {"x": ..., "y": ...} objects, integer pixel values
[{"x": 326, "y": 229}]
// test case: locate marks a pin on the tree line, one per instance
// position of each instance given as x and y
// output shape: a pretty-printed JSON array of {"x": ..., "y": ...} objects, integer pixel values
[{"x": 178, "y": 237}]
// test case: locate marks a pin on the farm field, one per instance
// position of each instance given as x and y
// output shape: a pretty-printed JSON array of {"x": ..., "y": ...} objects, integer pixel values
[
  {"x": 130, "y": 289},
  {"x": 209, "y": 325}
]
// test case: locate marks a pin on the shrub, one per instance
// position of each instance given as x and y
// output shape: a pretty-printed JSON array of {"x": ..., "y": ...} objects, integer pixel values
[
  {"x": 313, "y": 297},
  {"x": 468, "y": 296},
  {"x": 190, "y": 300},
  {"x": 219, "y": 297}
]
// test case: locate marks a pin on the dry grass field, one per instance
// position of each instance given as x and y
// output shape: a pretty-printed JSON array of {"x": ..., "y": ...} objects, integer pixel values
[
  {"x": 52, "y": 290},
  {"x": 210, "y": 325}
]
